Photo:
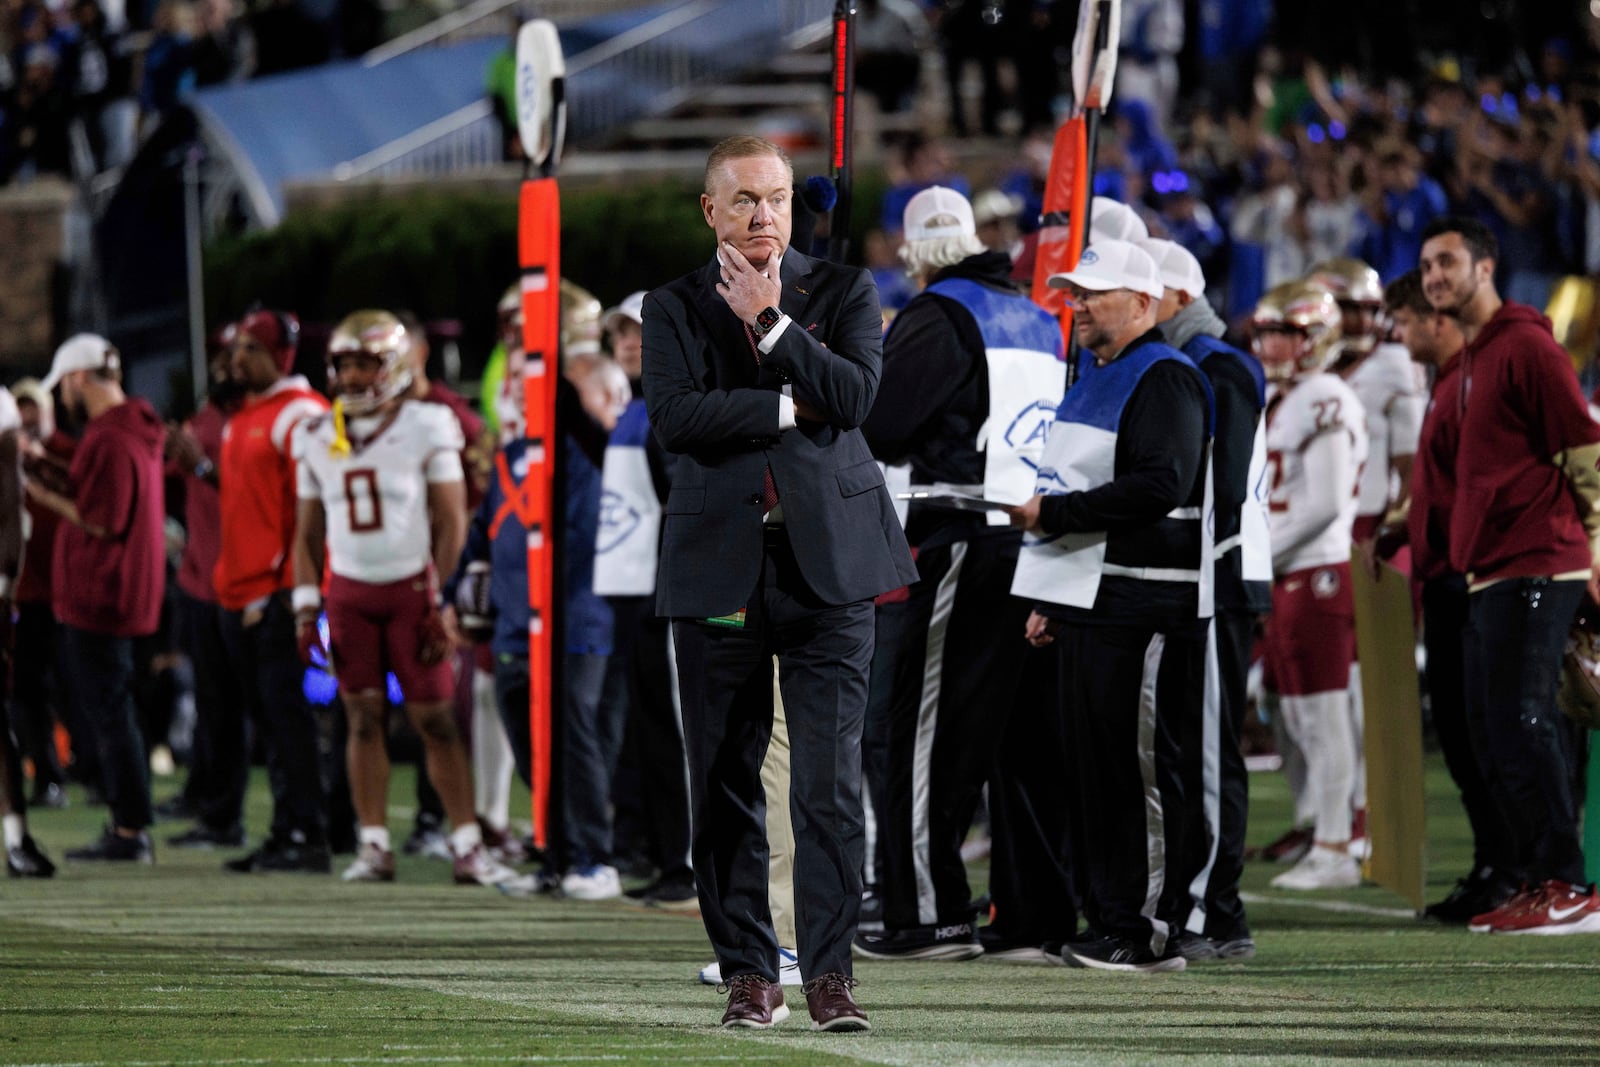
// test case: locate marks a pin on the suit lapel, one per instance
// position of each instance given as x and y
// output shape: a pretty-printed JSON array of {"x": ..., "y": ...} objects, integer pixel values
[
  {"x": 796, "y": 278},
  {"x": 730, "y": 348}
]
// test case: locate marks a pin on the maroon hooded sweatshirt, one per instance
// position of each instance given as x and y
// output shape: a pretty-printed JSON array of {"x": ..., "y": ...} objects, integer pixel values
[
  {"x": 1515, "y": 514},
  {"x": 113, "y": 585},
  {"x": 1433, "y": 478}
]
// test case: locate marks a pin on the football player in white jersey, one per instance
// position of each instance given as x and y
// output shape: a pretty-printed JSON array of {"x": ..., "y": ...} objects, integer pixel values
[
  {"x": 381, "y": 488},
  {"x": 1391, "y": 389},
  {"x": 1316, "y": 444}
]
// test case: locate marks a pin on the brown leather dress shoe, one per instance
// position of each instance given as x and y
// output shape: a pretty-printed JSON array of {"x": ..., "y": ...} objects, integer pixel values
[
  {"x": 754, "y": 1002},
  {"x": 831, "y": 1005}
]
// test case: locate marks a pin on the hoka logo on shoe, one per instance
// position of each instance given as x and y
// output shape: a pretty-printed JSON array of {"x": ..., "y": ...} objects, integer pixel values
[{"x": 945, "y": 933}]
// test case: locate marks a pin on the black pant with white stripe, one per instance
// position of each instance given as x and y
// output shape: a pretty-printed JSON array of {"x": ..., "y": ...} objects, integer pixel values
[
  {"x": 951, "y": 699},
  {"x": 1129, "y": 693},
  {"x": 1031, "y": 874},
  {"x": 1205, "y": 893}
]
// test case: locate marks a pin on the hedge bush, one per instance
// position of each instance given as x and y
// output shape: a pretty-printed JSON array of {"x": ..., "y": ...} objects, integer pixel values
[{"x": 451, "y": 255}]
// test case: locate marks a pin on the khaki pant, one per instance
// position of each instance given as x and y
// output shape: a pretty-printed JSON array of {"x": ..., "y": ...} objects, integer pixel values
[{"x": 780, "y": 831}]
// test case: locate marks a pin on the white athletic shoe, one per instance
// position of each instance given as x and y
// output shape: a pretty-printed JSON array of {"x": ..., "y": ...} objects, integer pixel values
[
  {"x": 373, "y": 864},
  {"x": 788, "y": 970},
  {"x": 1322, "y": 868},
  {"x": 478, "y": 867},
  {"x": 595, "y": 882}
]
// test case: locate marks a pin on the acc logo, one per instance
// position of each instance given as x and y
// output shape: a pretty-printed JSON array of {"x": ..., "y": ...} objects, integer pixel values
[
  {"x": 1089, "y": 257},
  {"x": 1324, "y": 584},
  {"x": 618, "y": 520},
  {"x": 1029, "y": 429}
]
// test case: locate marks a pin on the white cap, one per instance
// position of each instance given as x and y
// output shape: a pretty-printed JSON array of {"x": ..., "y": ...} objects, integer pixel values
[
  {"x": 1113, "y": 218},
  {"x": 632, "y": 307},
  {"x": 84, "y": 351},
  {"x": 1112, "y": 264},
  {"x": 992, "y": 204},
  {"x": 1178, "y": 268},
  {"x": 933, "y": 202}
]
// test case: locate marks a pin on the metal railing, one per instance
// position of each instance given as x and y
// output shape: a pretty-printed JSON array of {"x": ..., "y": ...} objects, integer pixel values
[
  {"x": 467, "y": 139},
  {"x": 644, "y": 71},
  {"x": 493, "y": 18}
]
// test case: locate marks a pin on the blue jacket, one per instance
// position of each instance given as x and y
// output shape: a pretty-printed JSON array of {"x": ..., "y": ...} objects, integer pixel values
[{"x": 587, "y": 622}]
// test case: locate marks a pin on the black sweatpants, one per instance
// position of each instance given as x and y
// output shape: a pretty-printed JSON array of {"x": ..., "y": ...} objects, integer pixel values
[
  {"x": 1204, "y": 889},
  {"x": 1130, "y": 694},
  {"x": 953, "y": 692},
  {"x": 1031, "y": 874}
]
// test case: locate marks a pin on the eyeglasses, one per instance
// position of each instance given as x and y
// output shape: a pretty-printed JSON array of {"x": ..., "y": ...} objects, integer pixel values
[{"x": 1084, "y": 297}]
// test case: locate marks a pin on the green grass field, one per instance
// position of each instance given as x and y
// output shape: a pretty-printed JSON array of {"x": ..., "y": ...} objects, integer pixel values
[{"x": 180, "y": 963}]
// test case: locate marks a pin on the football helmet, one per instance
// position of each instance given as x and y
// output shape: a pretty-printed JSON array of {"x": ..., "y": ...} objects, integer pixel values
[
  {"x": 382, "y": 336},
  {"x": 1359, "y": 291},
  {"x": 580, "y": 320},
  {"x": 1308, "y": 310}
]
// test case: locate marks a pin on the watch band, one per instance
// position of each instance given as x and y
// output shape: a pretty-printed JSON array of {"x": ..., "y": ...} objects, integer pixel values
[{"x": 766, "y": 319}]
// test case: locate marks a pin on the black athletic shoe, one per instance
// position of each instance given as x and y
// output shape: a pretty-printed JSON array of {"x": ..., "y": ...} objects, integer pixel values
[
  {"x": 1484, "y": 890},
  {"x": 1002, "y": 947},
  {"x": 1205, "y": 948},
  {"x": 27, "y": 861},
  {"x": 953, "y": 941},
  {"x": 285, "y": 856},
  {"x": 176, "y": 809},
  {"x": 669, "y": 894},
  {"x": 1108, "y": 953},
  {"x": 205, "y": 837},
  {"x": 49, "y": 795},
  {"x": 112, "y": 847}
]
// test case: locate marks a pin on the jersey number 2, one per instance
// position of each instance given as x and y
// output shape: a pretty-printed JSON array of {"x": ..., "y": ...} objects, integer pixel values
[{"x": 361, "y": 496}]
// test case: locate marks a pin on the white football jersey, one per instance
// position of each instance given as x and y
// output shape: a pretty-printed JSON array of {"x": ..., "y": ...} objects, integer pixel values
[
  {"x": 375, "y": 499},
  {"x": 1391, "y": 388},
  {"x": 1316, "y": 444}
]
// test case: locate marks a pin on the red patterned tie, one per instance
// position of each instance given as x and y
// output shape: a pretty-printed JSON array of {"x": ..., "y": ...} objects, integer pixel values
[{"x": 769, "y": 488}]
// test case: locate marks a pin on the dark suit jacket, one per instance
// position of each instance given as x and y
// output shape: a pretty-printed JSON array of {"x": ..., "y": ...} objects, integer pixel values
[{"x": 710, "y": 402}]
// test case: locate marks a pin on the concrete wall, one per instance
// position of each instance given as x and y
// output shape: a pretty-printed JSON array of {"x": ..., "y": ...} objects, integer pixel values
[{"x": 32, "y": 254}]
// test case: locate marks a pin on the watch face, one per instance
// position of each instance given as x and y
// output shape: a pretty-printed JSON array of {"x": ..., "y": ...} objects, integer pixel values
[{"x": 768, "y": 318}]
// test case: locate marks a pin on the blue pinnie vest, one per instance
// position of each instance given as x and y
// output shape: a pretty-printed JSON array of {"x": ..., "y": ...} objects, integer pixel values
[
  {"x": 1023, "y": 353},
  {"x": 1080, "y": 455},
  {"x": 1243, "y": 548}
]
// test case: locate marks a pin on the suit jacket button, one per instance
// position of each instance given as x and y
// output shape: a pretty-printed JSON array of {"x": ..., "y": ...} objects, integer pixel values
[{"x": 753, "y": 498}]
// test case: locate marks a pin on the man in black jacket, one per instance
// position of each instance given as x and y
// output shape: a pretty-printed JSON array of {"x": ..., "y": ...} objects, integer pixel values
[
  {"x": 778, "y": 532},
  {"x": 972, "y": 374},
  {"x": 1204, "y": 896},
  {"x": 1120, "y": 567}
]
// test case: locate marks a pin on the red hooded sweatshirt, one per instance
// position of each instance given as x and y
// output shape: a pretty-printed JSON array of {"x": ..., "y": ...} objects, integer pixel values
[
  {"x": 1515, "y": 514},
  {"x": 1433, "y": 478},
  {"x": 113, "y": 585}
]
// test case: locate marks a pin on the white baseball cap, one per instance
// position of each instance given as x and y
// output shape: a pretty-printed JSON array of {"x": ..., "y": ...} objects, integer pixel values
[
  {"x": 632, "y": 307},
  {"x": 84, "y": 351},
  {"x": 922, "y": 219},
  {"x": 1113, "y": 218},
  {"x": 1112, "y": 264},
  {"x": 1177, "y": 266}
]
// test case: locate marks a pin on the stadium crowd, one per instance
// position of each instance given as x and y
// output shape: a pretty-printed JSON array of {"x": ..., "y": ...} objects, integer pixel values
[{"x": 1309, "y": 337}]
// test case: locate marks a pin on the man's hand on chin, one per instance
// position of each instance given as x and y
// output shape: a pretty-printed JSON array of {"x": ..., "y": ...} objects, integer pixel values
[{"x": 748, "y": 291}]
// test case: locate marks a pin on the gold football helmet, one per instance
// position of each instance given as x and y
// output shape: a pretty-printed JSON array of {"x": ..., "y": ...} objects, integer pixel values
[
  {"x": 1359, "y": 291},
  {"x": 382, "y": 336},
  {"x": 1304, "y": 308}
]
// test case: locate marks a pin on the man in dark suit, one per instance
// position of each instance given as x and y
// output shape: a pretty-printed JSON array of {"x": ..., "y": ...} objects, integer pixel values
[{"x": 758, "y": 369}]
